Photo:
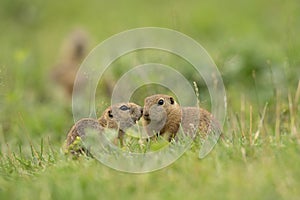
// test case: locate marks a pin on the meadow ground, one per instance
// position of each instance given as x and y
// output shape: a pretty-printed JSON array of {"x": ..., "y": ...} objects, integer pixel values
[{"x": 256, "y": 47}]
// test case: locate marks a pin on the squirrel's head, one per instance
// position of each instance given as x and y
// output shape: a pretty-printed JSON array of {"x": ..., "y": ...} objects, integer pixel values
[
  {"x": 121, "y": 116},
  {"x": 157, "y": 110}
]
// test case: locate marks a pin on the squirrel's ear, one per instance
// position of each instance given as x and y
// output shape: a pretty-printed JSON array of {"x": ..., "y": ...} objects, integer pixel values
[
  {"x": 172, "y": 100},
  {"x": 109, "y": 112}
]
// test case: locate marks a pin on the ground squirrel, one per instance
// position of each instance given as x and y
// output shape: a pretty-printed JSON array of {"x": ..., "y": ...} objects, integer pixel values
[
  {"x": 118, "y": 116},
  {"x": 73, "y": 52},
  {"x": 163, "y": 115}
]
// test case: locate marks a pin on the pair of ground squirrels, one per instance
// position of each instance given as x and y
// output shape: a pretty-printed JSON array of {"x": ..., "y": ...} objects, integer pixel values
[{"x": 162, "y": 115}]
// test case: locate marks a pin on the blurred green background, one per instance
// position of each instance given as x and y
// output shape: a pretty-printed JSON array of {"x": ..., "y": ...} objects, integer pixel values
[{"x": 256, "y": 47}]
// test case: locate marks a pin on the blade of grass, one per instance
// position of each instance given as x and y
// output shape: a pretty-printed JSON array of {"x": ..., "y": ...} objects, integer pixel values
[
  {"x": 255, "y": 88},
  {"x": 297, "y": 95},
  {"x": 260, "y": 125},
  {"x": 238, "y": 122},
  {"x": 250, "y": 126},
  {"x": 41, "y": 150},
  {"x": 277, "y": 119},
  {"x": 292, "y": 117},
  {"x": 243, "y": 115}
]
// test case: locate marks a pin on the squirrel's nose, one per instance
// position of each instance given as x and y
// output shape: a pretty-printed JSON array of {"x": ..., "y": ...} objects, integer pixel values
[{"x": 146, "y": 113}]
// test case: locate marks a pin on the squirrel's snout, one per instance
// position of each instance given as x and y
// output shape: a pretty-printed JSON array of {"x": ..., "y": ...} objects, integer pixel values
[
  {"x": 146, "y": 115},
  {"x": 141, "y": 113}
]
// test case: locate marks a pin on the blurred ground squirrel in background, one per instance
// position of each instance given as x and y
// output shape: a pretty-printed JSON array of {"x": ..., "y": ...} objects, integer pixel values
[
  {"x": 74, "y": 50},
  {"x": 162, "y": 115},
  {"x": 118, "y": 116}
]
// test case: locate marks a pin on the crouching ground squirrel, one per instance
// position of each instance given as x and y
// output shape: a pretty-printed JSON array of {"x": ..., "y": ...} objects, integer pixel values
[
  {"x": 118, "y": 116},
  {"x": 74, "y": 50},
  {"x": 163, "y": 116}
]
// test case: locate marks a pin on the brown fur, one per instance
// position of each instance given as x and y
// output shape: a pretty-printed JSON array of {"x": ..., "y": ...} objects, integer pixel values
[
  {"x": 167, "y": 118},
  {"x": 78, "y": 129},
  {"x": 113, "y": 117}
]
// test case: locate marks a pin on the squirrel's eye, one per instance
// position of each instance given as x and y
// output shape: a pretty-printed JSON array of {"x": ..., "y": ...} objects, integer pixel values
[
  {"x": 124, "y": 108},
  {"x": 160, "y": 102}
]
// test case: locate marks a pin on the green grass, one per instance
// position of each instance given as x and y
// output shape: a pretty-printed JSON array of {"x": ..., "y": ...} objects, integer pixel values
[{"x": 256, "y": 48}]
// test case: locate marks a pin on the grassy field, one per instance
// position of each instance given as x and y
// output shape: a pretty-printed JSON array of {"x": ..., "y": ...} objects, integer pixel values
[{"x": 256, "y": 47}]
